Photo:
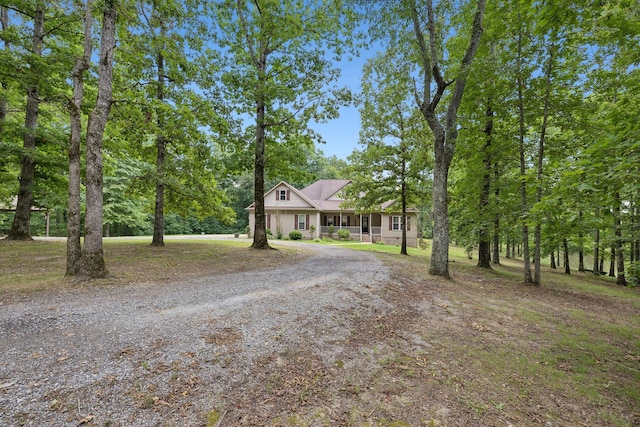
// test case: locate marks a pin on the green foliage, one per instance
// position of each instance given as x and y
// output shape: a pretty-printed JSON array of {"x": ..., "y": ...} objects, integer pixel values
[
  {"x": 344, "y": 234},
  {"x": 394, "y": 136},
  {"x": 633, "y": 274},
  {"x": 295, "y": 235}
]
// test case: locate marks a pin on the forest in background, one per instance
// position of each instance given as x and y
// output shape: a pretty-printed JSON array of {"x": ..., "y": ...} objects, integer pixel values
[{"x": 547, "y": 147}]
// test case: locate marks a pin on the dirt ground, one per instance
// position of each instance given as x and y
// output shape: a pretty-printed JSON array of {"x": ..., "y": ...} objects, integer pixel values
[{"x": 338, "y": 337}]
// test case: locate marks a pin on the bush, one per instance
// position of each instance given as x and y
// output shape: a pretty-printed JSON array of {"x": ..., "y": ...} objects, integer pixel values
[
  {"x": 344, "y": 234},
  {"x": 331, "y": 230},
  {"x": 295, "y": 235}
]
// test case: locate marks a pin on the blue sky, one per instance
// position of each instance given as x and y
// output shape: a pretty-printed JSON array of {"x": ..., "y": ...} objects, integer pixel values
[{"x": 341, "y": 135}]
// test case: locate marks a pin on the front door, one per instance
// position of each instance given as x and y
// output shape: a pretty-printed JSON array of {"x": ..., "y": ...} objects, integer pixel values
[{"x": 365, "y": 224}]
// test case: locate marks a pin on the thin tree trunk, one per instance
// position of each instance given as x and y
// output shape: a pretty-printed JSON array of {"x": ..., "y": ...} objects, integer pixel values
[
  {"x": 484, "y": 237},
  {"x": 581, "y": 246},
  {"x": 596, "y": 252},
  {"x": 618, "y": 243},
  {"x": 496, "y": 222},
  {"x": 580, "y": 256},
  {"x": 92, "y": 261},
  {"x": 540, "y": 169},
  {"x": 612, "y": 264},
  {"x": 81, "y": 64},
  {"x": 161, "y": 145},
  {"x": 508, "y": 251},
  {"x": 553, "y": 260},
  {"x": 21, "y": 226},
  {"x": 523, "y": 185},
  {"x": 565, "y": 247},
  {"x": 403, "y": 249}
]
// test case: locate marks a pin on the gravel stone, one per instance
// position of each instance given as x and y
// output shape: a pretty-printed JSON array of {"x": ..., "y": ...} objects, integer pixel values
[{"x": 162, "y": 354}]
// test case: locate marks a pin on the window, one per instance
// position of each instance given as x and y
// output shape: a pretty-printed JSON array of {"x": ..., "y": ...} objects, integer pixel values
[
  {"x": 396, "y": 223},
  {"x": 283, "y": 195},
  {"x": 302, "y": 222}
]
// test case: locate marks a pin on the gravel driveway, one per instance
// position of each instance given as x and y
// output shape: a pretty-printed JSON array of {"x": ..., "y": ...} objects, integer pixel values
[{"x": 170, "y": 354}]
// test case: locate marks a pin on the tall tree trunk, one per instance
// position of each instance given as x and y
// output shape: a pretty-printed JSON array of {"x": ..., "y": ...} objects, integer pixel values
[
  {"x": 540, "y": 169},
  {"x": 484, "y": 236},
  {"x": 445, "y": 134},
  {"x": 618, "y": 243},
  {"x": 508, "y": 251},
  {"x": 161, "y": 145},
  {"x": 81, "y": 65},
  {"x": 260, "y": 232},
  {"x": 21, "y": 227},
  {"x": 403, "y": 249},
  {"x": 553, "y": 260},
  {"x": 565, "y": 248},
  {"x": 523, "y": 184},
  {"x": 596, "y": 252},
  {"x": 92, "y": 261}
]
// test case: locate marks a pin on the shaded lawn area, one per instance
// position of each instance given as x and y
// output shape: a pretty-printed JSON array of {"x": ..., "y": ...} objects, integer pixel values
[
  {"x": 40, "y": 265},
  {"x": 494, "y": 351}
]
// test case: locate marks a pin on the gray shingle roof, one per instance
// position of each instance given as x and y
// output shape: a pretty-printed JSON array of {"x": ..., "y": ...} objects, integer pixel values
[{"x": 322, "y": 189}]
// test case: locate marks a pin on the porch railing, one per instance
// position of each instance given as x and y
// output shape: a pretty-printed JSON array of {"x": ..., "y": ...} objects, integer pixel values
[{"x": 324, "y": 230}]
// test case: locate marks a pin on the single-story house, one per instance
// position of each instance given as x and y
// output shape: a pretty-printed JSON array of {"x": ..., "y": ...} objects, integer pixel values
[{"x": 319, "y": 204}]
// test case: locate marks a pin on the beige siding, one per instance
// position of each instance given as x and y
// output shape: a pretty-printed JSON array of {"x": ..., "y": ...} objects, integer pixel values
[
  {"x": 287, "y": 222},
  {"x": 294, "y": 202},
  {"x": 394, "y": 237}
]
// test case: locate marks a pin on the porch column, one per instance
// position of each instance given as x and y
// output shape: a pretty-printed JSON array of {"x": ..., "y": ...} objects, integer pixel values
[
  {"x": 360, "y": 228},
  {"x": 340, "y": 220}
]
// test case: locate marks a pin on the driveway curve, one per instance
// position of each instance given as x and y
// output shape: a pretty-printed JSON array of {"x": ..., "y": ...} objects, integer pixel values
[{"x": 169, "y": 354}]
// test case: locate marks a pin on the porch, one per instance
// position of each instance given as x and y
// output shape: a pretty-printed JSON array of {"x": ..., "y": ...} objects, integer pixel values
[
  {"x": 373, "y": 235},
  {"x": 362, "y": 227}
]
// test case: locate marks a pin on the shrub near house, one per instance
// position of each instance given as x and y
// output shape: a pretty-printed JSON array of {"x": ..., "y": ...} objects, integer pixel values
[{"x": 295, "y": 235}]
